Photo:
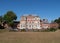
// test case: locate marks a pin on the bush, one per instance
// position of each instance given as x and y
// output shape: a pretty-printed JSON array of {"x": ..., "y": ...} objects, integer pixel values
[
  {"x": 49, "y": 30},
  {"x": 1, "y": 27},
  {"x": 13, "y": 29},
  {"x": 59, "y": 27},
  {"x": 44, "y": 30},
  {"x": 23, "y": 30},
  {"x": 52, "y": 29}
]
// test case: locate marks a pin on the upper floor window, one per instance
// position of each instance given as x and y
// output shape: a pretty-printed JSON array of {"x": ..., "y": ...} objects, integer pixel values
[{"x": 36, "y": 18}]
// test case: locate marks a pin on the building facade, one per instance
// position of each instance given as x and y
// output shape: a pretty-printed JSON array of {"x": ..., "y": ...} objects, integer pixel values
[
  {"x": 45, "y": 24},
  {"x": 30, "y": 22},
  {"x": 54, "y": 25}
]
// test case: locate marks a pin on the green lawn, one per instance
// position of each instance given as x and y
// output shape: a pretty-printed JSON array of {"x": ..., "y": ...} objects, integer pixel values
[{"x": 30, "y": 37}]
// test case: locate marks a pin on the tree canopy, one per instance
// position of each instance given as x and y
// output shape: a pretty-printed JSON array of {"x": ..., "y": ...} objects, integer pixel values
[
  {"x": 1, "y": 20},
  {"x": 9, "y": 17},
  {"x": 57, "y": 21}
]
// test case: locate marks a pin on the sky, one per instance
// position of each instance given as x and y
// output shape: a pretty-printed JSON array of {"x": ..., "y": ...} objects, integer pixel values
[{"x": 45, "y": 9}]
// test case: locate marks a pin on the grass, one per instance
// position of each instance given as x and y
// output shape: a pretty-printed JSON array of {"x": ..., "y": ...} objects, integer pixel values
[
  {"x": 3, "y": 30},
  {"x": 30, "y": 37}
]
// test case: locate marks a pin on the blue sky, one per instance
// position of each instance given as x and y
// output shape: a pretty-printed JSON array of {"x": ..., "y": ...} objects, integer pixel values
[{"x": 48, "y": 9}]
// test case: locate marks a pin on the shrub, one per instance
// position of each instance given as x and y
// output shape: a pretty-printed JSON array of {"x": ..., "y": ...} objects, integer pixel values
[
  {"x": 23, "y": 30},
  {"x": 52, "y": 29},
  {"x": 1, "y": 27},
  {"x": 49, "y": 30}
]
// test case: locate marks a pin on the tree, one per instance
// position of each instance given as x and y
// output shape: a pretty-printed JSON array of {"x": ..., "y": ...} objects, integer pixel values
[
  {"x": 1, "y": 20},
  {"x": 9, "y": 17},
  {"x": 57, "y": 21}
]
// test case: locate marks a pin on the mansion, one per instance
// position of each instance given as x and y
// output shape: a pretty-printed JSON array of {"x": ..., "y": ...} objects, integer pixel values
[
  {"x": 30, "y": 22},
  {"x": 34, "y": 22}
]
